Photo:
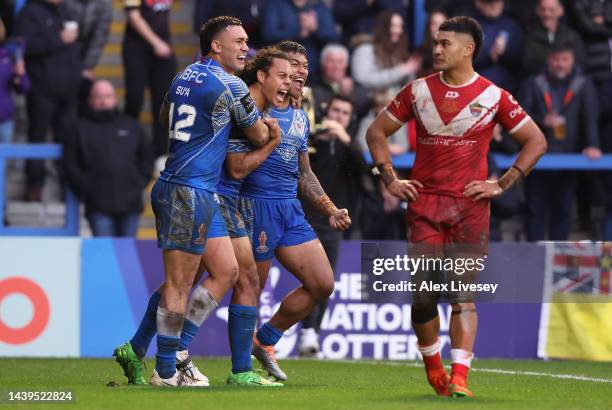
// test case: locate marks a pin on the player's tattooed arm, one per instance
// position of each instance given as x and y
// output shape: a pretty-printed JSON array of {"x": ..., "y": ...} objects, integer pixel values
[
  {"x": 311, "y": 189},
  {"x": 241, "y": 164}
]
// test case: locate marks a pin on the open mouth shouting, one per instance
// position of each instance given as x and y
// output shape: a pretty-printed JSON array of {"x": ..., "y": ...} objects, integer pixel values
[
  {"x": 299, "y": 83},
  {"x": 280, "y": 96}
]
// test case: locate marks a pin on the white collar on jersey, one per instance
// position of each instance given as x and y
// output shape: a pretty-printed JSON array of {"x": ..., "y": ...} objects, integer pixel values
[{"x": 474, "y": 77}]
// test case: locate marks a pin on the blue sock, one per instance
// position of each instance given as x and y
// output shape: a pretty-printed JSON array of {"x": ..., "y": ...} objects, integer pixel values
[
  {"x": 241, "y": 324},
  {"x": 188, "y": 332},
  {"x": 268, "y": 335},
  {"x": 165, "y": 362},
  {"x": 147, "y": 328}
]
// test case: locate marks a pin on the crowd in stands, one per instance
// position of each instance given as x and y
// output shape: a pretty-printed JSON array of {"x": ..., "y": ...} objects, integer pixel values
[{"x": 555, "y": 56}]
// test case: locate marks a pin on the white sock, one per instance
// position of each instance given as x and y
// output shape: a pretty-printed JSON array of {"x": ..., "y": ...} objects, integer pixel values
[
  {"x": 430, "y": 350},
  {"x": 461, "y": 356}
]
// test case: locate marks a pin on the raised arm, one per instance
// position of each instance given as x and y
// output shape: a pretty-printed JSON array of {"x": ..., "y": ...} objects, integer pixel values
[{"x": 311, "y": 189}]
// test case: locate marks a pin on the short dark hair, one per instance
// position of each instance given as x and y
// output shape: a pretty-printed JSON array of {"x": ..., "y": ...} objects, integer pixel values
[
  {"x": 561, "y": 48},
  {"x": 212, "y": 27},
  {"x": 338, "y": 97},
  {"x": 261, "y": 61},
  {"x": 288, "y": 46},
  {"x": 465, "y": 25}
]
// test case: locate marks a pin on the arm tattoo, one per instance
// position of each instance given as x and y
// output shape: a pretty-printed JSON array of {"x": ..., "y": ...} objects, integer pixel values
[
  {"x": 510, "y": 178},
  {"x": 387, "y": 173},
  {"x": 311, "y": 188}
]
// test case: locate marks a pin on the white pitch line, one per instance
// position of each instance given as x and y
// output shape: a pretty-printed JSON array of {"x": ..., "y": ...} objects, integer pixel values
[{"x": 485, "y": 370}]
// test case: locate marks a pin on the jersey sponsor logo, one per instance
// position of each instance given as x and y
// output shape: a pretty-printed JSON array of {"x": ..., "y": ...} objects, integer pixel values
[
  {"x": 476, "y": 109},
  {"x": 512, "y": 99},
  {"x": 193, "y": 76},
  {"x": 451, "y": 94},
  {"x": 447, "y": 142},
  {"x": 263, "y": 238},
  {"x": 248, "y": 103}
]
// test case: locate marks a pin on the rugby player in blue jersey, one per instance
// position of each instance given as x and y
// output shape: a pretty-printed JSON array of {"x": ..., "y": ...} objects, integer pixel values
[
  {"x": 203, "y": 103},
  {"x": 276, "y": 221},
  {"x": 268, "y": 76}
]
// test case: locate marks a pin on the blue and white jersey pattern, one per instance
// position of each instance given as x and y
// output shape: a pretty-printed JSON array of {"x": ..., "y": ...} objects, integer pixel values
[
  {"x": 238, "y": 143},
  {"x": 204, "y": 103},
  {"x": 277, "y": 177}
]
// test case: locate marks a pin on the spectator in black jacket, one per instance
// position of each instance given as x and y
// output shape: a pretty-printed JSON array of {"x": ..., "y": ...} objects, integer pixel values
[
  {"x": 53, "y": 65},
  {"x": 108, "y": 164},
  {"x": 546, "y": 34},
  {"x": 594, "y": 22},
  {"x": 563, "y": 103},
  {"x": 148, "y": 61}
]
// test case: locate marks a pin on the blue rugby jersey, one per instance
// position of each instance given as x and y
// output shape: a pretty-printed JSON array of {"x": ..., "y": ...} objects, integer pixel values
[
  {"x": 277, "y": 176},
  {"x": 238, "y": 142},
  {"x": 204, "y": 102}
]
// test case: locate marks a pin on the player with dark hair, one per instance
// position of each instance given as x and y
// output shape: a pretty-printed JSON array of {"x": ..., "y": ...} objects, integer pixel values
[
  {"x": 202, "y": 105},
  {"x": 277, "y": 223},
  {"x": 268, "y": 76},
  {"x": 455, "y": 111}
]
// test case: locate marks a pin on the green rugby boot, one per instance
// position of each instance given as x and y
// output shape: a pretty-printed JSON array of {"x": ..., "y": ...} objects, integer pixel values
[
  {"x": 131, "y": 364},
  {"x": 251, "y": 379}
]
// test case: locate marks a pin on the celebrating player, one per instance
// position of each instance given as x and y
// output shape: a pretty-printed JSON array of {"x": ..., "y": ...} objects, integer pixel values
[
  {"x": 456, "y": 111},
  {"x": 278, "y": 225},
  {"x": 268, "y": 76},
  {"x": 201, "y": 105}
]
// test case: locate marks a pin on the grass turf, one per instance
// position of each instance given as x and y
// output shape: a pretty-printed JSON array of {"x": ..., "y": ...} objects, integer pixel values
[{"x": 313, "y": 385}]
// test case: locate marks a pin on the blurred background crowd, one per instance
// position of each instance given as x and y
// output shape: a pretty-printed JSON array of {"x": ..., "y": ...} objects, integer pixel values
[{"x": 91, "y": 75}]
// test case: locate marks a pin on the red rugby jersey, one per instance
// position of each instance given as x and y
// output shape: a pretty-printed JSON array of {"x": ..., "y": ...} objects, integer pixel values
[{"x": 454, "y": 126}]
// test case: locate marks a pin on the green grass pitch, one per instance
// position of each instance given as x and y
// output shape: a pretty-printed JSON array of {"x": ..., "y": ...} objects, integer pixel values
[{"x": 317, "y": 385}]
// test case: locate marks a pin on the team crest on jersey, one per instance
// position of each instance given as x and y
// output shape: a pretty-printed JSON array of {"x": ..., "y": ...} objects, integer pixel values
[
  {"x": 286, "y": 154},
  {"x": 263, "y": 238},
  {"x": 476, "y": 109}
]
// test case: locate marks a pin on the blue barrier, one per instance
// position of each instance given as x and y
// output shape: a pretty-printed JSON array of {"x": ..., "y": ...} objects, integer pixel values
[
  {"x": 575, "y": 162},
  {"x": 36, "y": 151}
]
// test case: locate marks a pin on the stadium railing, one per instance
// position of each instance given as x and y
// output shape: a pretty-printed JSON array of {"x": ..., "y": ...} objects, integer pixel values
[
  {"x": 576, "y": 162},
  {"x": 573, "y": 162},
  {"x": 36, "y": 151}
]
